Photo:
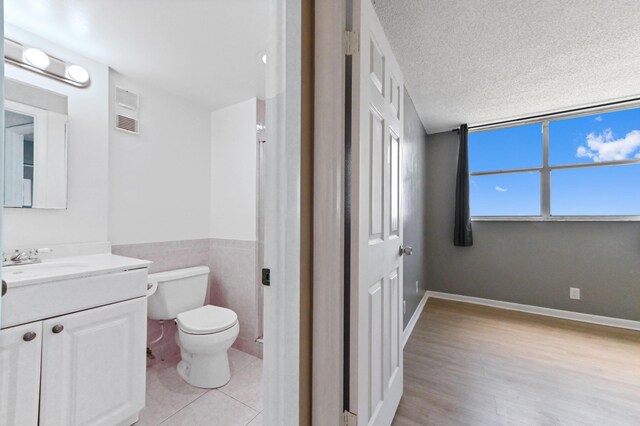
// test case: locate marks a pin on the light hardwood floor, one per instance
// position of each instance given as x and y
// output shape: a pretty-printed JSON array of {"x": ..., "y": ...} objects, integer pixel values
[{"x": 473, "y": 365}]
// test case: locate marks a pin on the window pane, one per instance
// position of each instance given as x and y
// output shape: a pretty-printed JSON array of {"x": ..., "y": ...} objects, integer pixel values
[
  {"x": 512, "y": 194},
  {"x": 596, "y": 191},
  {"x": 512, "y": 148},
  {"x": 594, "y": 138}
]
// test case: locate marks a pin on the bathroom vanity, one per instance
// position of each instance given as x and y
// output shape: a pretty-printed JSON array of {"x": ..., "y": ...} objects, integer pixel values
[{"x": 72, "y": 342}]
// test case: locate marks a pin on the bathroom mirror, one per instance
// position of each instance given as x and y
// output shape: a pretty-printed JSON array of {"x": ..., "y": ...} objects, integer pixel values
[{"x": 35, "y": 153}]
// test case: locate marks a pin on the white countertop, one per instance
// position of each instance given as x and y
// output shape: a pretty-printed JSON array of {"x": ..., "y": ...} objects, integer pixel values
[{"x": 69, "y": 267}]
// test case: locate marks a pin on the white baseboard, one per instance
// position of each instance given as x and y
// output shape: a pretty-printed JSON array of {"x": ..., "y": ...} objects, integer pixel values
[
  {"x": 414, "y": 319},
  {"x": 556, "y": 313}
]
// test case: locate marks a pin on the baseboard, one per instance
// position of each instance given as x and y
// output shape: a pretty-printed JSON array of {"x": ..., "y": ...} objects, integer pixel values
[
  {"x": 556, "y": 313},
  {"x": 414, "y": 319}
]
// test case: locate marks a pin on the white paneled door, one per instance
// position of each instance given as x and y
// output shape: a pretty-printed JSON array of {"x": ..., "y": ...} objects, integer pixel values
[{"x": 377, "y": 263}]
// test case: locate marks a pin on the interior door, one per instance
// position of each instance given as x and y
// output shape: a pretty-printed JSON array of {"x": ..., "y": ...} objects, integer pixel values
[
  {"x": 93, "y": 365},
  {"x": 376, "y": 259},
  {"x": 20, "y": 349}
]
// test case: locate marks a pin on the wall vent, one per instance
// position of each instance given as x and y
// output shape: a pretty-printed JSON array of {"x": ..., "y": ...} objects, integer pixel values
[
  {"x": 126, "y": 110},
  {"x": 126, "y": 123}
]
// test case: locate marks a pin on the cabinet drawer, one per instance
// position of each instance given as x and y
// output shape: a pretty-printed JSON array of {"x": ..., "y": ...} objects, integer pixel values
[{"x": 35, "y": 302}]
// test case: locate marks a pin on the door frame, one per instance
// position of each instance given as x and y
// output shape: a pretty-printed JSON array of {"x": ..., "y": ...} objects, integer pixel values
[
  {"x": 288, "y": 212},
  {"x": 331, "y": 398},
  {"x": 1, "y": 148}
]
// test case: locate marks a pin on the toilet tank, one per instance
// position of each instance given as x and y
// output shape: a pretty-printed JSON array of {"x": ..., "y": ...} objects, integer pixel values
[{"x": 178, "y": 291}]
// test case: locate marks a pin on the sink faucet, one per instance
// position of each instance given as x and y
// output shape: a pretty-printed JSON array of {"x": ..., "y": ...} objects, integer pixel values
[
  {"x": 24, "y": 258},
  {"x": 19, "y": 256}
]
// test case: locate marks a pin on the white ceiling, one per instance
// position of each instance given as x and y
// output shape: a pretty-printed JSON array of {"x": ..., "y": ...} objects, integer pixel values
[
  {"x": 478, "y": 61},
  {"x": 202, "y": 50}
]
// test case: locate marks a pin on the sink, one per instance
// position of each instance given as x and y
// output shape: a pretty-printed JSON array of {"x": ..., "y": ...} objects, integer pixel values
[
  {"x": 41, "y": 269},
  {"x": 66, "y": 268},
  {"x": 50, "y": 265}
]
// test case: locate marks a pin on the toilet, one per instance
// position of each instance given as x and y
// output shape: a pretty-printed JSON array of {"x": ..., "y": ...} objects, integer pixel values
[{"x": 205, "y": 332}]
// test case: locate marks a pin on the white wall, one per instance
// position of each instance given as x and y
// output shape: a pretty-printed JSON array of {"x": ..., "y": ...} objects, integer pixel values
[
  {"x": 160, "y": 178},
  {"x": 233, "y": 172},
  {"x": 86, "y": 216},
  {"x": 189, "y": 174}
]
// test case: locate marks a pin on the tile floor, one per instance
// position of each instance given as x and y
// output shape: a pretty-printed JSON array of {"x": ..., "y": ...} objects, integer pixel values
[{"x": 172, "y": 402}]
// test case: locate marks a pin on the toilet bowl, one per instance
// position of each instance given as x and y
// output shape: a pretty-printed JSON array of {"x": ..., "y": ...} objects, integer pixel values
[
  {"x": 205, "y": 332},
  {"x": 205, "y": 335}
]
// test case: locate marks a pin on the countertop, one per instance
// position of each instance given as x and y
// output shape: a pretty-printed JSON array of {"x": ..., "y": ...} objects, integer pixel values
[{"x": 69, "y": 267}]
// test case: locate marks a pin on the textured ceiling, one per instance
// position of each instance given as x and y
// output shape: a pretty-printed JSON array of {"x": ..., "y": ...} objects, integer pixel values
[
  {"x": 203, "y": 50},
  {"x": 478, "y": 61}
]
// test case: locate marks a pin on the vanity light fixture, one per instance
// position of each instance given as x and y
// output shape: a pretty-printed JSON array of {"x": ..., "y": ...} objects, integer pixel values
[
  {"x": 77, "y": 73},
  {"x": 35, "y": 60},
  {"x": 36, "y": 57}
]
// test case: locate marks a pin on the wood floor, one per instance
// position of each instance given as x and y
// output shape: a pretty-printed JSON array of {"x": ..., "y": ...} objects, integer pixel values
[{"x": 473, "y": 365}]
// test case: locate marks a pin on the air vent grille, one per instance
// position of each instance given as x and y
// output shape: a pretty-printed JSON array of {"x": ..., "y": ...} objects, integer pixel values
[
  {"x": 126, "y": 123},
  {"x": 126, "y": 99}
]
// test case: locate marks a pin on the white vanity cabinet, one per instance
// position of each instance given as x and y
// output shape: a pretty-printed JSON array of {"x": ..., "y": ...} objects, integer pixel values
[{"x": 84, "y": 361}]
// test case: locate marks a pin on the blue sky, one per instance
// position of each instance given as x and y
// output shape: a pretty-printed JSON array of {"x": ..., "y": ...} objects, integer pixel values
[{"x": 588, "y": 191}]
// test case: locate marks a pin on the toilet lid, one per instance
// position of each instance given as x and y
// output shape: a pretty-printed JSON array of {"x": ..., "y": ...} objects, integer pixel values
[{"x": 206, "y": 320}]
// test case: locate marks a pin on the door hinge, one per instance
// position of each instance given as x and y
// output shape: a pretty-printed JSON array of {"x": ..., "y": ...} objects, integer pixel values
[
  {"x": 349, "y": 419},
  {"x": 351, "y": 42}
]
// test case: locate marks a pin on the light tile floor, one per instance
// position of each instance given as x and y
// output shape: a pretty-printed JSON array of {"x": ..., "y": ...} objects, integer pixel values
[{"x": 172, "y": 402}]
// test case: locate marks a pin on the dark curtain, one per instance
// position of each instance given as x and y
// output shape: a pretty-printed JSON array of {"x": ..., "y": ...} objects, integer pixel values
[{"x": 463, "y": 236}]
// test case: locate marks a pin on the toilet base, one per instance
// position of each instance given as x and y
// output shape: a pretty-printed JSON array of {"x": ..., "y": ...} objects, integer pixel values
[
  {"x": 205, "y": 362},
  {"x": 207, "y": 372}
]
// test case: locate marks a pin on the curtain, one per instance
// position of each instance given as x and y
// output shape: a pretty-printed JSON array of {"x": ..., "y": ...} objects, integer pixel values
[{"x": 463, "y": 235}]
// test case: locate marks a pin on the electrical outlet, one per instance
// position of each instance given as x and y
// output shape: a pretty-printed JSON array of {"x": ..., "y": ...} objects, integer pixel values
[
  {"x": 574, "y": 293},
  {"x": 404, "y": 307},
  {"x": 417, "y": 288}
]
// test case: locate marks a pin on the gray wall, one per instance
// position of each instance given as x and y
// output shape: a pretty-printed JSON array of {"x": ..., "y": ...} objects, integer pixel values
[
  {"x": 531, "y": 263},
  {"x": 414, "y": 161}
]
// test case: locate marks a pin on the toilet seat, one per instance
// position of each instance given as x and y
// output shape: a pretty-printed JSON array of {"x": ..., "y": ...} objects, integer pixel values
[{"x": 207, "y": 319}]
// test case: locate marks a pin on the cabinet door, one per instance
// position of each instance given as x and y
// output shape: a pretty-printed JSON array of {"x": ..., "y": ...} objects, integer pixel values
[
  {"x": 20, "y": 350},
  {"x": 94, "y": 365}
]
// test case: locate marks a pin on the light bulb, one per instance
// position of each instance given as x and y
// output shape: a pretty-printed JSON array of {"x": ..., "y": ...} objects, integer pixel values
[
  {"x": 77, "y": 73},
  {"x": 36, "y": 57}
]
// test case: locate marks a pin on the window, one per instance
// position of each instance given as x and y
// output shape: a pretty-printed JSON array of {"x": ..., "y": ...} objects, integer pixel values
[{"x": 582, "y": 166}]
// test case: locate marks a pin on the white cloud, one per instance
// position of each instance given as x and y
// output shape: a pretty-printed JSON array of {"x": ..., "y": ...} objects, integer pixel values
[
  {"x": 598, "y": 118},
  {"x": 604, "y": 147},
  {"x": 501, "y": 189}
]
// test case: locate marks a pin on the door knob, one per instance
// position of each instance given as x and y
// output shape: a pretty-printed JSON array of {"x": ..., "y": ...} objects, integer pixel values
[
  {"x": 57, "y": 328},
  {"x": 406, "y": 250},
  {"x": 29, "y": 336},
  {"x": 4, "y": 288}
]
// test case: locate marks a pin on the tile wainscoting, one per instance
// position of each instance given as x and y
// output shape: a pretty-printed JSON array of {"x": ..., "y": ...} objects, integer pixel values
[{"x": 232, "y": 283}]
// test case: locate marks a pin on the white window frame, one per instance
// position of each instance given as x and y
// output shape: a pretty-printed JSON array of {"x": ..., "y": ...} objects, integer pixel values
[{"x": 546, "y": 169}]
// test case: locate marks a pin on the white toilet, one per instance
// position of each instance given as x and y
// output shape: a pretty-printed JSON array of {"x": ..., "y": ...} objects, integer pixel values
[{"x": 205, "y": 332}]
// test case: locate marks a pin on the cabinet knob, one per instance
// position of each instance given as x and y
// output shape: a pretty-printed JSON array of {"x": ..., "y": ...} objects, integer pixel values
[
  {"x": 57, "y": 328},
  {"x": 4, "y": 288},
  {"x": 29, "y": 336}
]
